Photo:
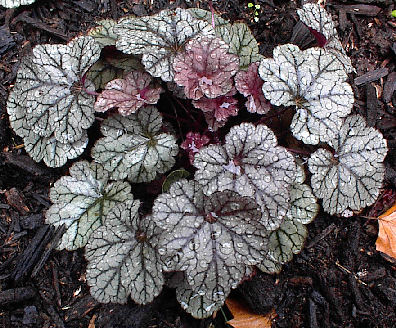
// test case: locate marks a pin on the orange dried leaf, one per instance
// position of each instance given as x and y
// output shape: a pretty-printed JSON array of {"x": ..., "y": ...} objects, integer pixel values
[
  {"x": 244, "y": 318},
  {"x": 386, "y": 241}
]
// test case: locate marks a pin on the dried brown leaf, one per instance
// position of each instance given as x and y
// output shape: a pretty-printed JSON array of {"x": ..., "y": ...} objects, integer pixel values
[
  {"x": 386, "y": 241},
  {"x": 244, "y": 318}
]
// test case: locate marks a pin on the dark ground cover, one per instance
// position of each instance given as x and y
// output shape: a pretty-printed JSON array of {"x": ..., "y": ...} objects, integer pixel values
[{"x": 338, "y": 280}]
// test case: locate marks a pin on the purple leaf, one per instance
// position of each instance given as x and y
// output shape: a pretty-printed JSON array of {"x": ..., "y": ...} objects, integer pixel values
[
  {"x": 250, "y": 85},
  {"x": 205, "y": 68},
  {"x": 128, "y": 94},
  {"x": 221, "y": 107},
  {"x": 194, "y": 141}
]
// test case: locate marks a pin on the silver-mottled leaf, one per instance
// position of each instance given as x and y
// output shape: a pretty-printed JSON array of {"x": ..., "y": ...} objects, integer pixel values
[
  {"x": 242, "y": 43},
  {"x": 314, "y": 81},
  {"x": 269, "y": 265},
  {"x": 287, "y": 240},
  {"x": 350, "y": 178},
  {"x": 303, "y": 204},
  {"x": 211, "y": 238},
  {"x": 53, "y": 152},
  {"x": 103, "y": 33},
  {"x": 221, "y": 25},
  {"x": 251, "y": 164},
  {"x": 82, "y": 201},
  {"x": 159, "y": 38},
  {"x": 48, "y": 86},
  {"x": 15, "y": 3},
  {"x": 122, "y": 259},
  {"x": 316, "y": 17},
  {"x": 134, "y": 146}
]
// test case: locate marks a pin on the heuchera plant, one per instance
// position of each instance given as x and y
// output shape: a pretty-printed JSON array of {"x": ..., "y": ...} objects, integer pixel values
[
  {"x": 15, "y": 3},
  {"x": 246, "y": 201}
]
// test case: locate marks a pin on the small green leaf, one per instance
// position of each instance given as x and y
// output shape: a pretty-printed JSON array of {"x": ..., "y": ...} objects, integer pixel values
[
  {"x": 173, "y": 177},
  {"x": 250, "y": 5}
]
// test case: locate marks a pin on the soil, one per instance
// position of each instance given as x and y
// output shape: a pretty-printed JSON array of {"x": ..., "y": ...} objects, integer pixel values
[{"x": 338, "y": 280}]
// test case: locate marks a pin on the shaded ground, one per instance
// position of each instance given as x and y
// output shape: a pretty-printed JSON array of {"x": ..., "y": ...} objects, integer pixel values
[{"x": 338, "y": 280}]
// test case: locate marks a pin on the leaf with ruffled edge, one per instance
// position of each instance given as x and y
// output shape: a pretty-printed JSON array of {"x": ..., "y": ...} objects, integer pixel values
[
  {"x": 250, "y": 85},
  {"x": 122, "y": 259},
  {"x": 159, "y": 38},
  {"x": 49, "y": 84},
  {"x": 53, "y": 152},
  {"x": 128, "y": 94},
  {"x": 238, "y": 36},
  {"x": 134, "y": 147},
  {"x": 314, "y": 81},
  {"x": 221, "y": 107},
  {"x": 351, "y": 177},
  {"x": 205, "y": 68},
  {"x": 289, "y": 238},
  {"x": 211, "y": 238},
  {"x": 82, "y": 201},
  {"x": 252, "y": 164},
  {"x": 318, "y": 19}
]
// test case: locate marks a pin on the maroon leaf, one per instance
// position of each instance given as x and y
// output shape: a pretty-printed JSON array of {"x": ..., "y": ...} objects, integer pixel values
[
  {"x": 205, "y": 68},
  {"x": 250, "y": 85},
  {"x": 128, "y": 94},
  {"x": 194, "y": 141},
  {"x": 221, "y": 107}
]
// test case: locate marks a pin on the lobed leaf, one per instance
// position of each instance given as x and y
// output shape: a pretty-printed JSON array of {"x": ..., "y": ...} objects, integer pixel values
[
  {"x": 211, "y": 238},
  {"x": 128, "y": 94},
  {"x": 250, "y": 85},
  {"x": 317, "y": 18},
  {"x": 159, "y": 38},
  {"x": 205, "y": 68},
  {"x": 350, "y": 178},
  {"x": 82, "y": 201},
  {"x": 314, "y": 81},
  {"x": 251, "y": 164},
  {"x": 134, "y": 147},
  {"x": 122, "y": 259},
  {"x": 49, "y": 90}
]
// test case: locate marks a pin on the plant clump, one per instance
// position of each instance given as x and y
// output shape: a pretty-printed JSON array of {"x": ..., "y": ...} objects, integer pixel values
[{"x": 177, "y": 81}]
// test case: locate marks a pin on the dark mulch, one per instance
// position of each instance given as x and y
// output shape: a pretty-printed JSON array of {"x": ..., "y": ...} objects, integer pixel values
[{"x": 338, "y": 280}]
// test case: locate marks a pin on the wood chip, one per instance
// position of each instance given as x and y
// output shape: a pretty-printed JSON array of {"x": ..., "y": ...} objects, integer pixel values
[
  {"x": 371, "y": 76},
  {"x": 372, "y": 105},
  {"x": 360, "y": 9},
  {"x": 389, "y": 88},
  {"x": 15, "y": 199},
  {"x": 16, "y": 295}
]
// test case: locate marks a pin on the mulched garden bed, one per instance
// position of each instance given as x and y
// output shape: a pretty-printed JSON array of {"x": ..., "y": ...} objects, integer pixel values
[{"x": 338, "y": 280}]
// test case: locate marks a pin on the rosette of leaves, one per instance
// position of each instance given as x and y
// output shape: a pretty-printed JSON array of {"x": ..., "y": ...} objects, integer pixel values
[
  {"x": 128, "y": 94},
  {"x": 49, "y": 106},
  {"x": 238, "y": 36},
  {"x": 350, "y": 177},
  {"x": 15, "y": 3},
  {"x": 250, "y": 85},
  {"x": 134, "y": 147},
  {"x": 289, "y": 238},
  {"x": 252, "y": 164},
  {"x": 319, "y": 20},
  {"x": 82, "y": 201},
  {"x": 211, "y": 238},
  {"x": 159, "y": 38},
  {"x": 314, "y": 81},
  {"x": 205, "y": 68},
  {"x": 122, "y": 257}
]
